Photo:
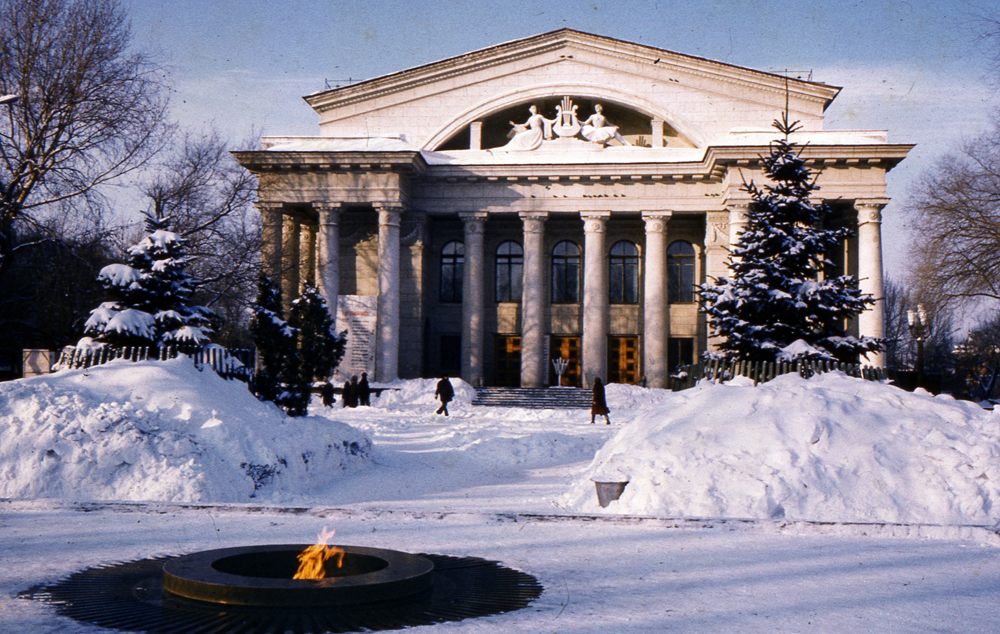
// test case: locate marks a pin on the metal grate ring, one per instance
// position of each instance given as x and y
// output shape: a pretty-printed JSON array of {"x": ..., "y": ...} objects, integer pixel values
[{"x": 129, "y": 597}]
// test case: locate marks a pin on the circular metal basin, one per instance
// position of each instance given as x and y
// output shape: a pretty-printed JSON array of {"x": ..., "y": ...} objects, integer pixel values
[{"x": 262, "y": 576}]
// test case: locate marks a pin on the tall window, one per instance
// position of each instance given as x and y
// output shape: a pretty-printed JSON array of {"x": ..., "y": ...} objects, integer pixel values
[
  {"x": 509, "y": 272},
  {"x": 565, "y": 273},
  {"x": 680, "y": 272},
  {"x": 452, "y": 258},
  {"x": 623, "y": 282}
]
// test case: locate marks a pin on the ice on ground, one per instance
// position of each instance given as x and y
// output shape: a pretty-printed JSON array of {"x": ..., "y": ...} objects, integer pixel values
[{"x": 831, "y": 448}]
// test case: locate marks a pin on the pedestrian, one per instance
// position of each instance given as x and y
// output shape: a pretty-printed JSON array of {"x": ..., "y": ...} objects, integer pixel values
[
  {"x": 355, "y": 391},
  {"x": 326, "y": 393},
  {"x": 445, "y": 392},
  {"x": 599, "y": 406},
  {"x": 364, "y": 391},
  {"x": 348, "y": 395}
]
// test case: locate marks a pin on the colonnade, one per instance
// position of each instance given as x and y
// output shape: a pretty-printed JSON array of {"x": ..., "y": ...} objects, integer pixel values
[
  {"x": 296, "y": 251},
  {"x": 289, "y": 244}
]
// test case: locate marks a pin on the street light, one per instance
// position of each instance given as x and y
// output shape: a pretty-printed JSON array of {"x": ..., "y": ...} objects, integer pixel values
[
  {"x": 7, "y": 100},
  {"x": 917, "y": 321}
]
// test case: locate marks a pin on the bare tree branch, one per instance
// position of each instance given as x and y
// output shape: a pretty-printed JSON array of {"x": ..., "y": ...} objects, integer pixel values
[{"x": 89, "y": 111}]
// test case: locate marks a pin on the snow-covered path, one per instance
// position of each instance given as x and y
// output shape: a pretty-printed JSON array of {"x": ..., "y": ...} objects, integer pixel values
[{"x": 468, "y": 461}]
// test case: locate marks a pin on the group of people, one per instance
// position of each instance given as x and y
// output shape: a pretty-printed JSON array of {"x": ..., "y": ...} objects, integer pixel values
[
  {"x": 359, "y": 393},
  {"x": 355, "y": 392}
]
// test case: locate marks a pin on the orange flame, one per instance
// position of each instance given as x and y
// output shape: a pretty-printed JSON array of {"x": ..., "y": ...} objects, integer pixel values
[{"x": 312, "y": 560}]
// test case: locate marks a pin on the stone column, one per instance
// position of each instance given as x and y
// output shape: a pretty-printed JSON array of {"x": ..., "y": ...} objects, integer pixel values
[
  {"x": 737, "y": 221},
  {"x": 473, "y": 291},
  {"x": 719, "y": 235},
  {"x": 290, "y": 260},
  {"x": 871, "y": 323},
  {"x": 271, "y": 222},
  {"x": 476, "y": 135},
  {"x": 654, "y": 309},
  {"x": 307, "y": 255},
  {"x": 533, "y": 361},
  {"x": 387, "y": 336},
  {"x": 656, "y": 136},
  {"x": 328, "y": 255},
  {"x": 595, "y": 296}
]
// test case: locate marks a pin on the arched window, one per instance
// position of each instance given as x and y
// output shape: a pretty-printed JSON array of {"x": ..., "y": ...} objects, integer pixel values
[
  {"x": 565, "y": 273},
  {"x": 509, "y": 272},
  {"x": 680, "y": 272},
  {"x": 452, "y": 259},
  {"x": 623, "y": 281}
]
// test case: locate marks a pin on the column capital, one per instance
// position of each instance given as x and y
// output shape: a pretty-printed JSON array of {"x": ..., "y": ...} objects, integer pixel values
[
  {"x": 656, "y": 221},
  {"x": 595, "y": 221},
  {"x": 473, "y": 222},
  {"x": 327, "y": 205},
  {"x": 269, "y": 205},
  {"x": 329, "y": 212},
  {"x": 389, "y": 214},
  {"x": 534, "y": 221},
  {"x": 870, "y": 209},
  {"x": 738, "y": 211}
]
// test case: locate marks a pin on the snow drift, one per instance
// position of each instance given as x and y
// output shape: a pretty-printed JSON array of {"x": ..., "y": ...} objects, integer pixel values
[
  {"x": 831, "y": 448},
  {"x": 162, "y": 431}
]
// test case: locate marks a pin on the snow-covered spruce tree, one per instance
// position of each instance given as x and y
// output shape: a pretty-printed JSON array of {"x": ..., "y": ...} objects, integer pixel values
[
  {"x": 779, "y": 292},
  {"x": 275, "y": 341},
  {"x": 320, "y": 348},
  {"x": 151, "y": 296}
]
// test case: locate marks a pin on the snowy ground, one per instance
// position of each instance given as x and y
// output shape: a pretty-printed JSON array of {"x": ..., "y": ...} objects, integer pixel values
[{"x": 514, "y": 485}]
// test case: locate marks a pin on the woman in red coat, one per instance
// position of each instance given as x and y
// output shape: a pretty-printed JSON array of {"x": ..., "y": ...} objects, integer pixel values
[{"x": 600, "y": 404}]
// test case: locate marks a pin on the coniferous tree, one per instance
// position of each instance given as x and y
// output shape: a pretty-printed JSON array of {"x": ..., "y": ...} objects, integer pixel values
[
  {"x": 151, "y": 296},
  {"x": 778, "y": 293},
  {"x": 275, "y": 341},
  {"x": 320, "y": 349}
]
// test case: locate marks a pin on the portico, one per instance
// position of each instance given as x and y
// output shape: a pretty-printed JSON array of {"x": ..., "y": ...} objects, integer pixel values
[{"x": 501, "y": 217}]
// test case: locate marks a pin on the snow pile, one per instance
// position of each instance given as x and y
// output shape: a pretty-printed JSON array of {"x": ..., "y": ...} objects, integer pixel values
[
  {"x": 162, "y": 431},
  {"x": 831, "y": 448}
]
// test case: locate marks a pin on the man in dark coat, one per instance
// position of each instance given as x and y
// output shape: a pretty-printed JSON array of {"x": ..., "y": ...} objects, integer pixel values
[
  {"x": 349, "y": 396},
  {"x": 599, "y": 407},
  {"x": 364, "y": 391},
  {"x": 326, "y": 392},
  {"x": 445, "y": 392}
]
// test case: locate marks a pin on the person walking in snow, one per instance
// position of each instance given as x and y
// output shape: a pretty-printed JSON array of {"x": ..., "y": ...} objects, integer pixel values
[
  {"x": 364, "y": 391},
  {"x": 444, "y": 392},
  {"x": 599, "y": 406},
  {"x": 350, "y": 399},
  {"x": 326, "y": 393}
]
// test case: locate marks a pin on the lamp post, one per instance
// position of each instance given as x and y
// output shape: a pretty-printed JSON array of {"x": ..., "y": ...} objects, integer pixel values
[
  {"x": 917, "y": 321},
  {"x": 6, "y": 100}
]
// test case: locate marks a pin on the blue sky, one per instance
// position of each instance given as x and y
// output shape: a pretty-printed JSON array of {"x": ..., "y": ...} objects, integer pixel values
[{"x": 915, "y": 68}]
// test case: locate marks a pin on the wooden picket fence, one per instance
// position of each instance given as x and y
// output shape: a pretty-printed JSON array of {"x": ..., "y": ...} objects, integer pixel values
[
  {"x": 229, "y": 364},
  {"x": 763, "y": 371}
]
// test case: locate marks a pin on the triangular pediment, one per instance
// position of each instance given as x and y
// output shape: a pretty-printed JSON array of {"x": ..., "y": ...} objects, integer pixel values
[{"x": 438, "y": 105}]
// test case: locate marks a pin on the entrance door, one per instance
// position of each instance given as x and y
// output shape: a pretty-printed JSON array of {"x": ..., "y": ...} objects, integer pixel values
[
  {"x": 623, "y": 355},
  {"x": 567, "y": 348},
  {"x": 507, "y": 361}
]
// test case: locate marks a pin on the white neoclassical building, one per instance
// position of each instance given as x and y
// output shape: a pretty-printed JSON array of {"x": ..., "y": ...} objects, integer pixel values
[{"x": 555, "y": 197}]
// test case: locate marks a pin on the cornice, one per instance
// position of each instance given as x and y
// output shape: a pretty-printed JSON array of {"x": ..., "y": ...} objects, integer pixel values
[
  {"x": 716, "y": 162},
  {"x": 408, "y": 162},
  {"x": 550, "y": 42}
]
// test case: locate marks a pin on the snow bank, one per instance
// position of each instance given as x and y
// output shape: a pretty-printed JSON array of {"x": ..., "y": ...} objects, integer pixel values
[
  {"x": 162, "y": 431},
  {"x": 831, "y": 448}
]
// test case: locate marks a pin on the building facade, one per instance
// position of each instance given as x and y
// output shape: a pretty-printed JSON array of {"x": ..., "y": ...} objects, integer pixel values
[{"x": 552, "y": 198}]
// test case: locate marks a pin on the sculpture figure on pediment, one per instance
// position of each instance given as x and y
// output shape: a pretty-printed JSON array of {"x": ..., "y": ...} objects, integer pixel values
[
  {"x": 596, "y": 129},
  {"x": 529, "y": 135}
]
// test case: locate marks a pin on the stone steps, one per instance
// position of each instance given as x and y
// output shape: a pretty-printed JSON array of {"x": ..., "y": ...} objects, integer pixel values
[{"x": 534, "y": 398}]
